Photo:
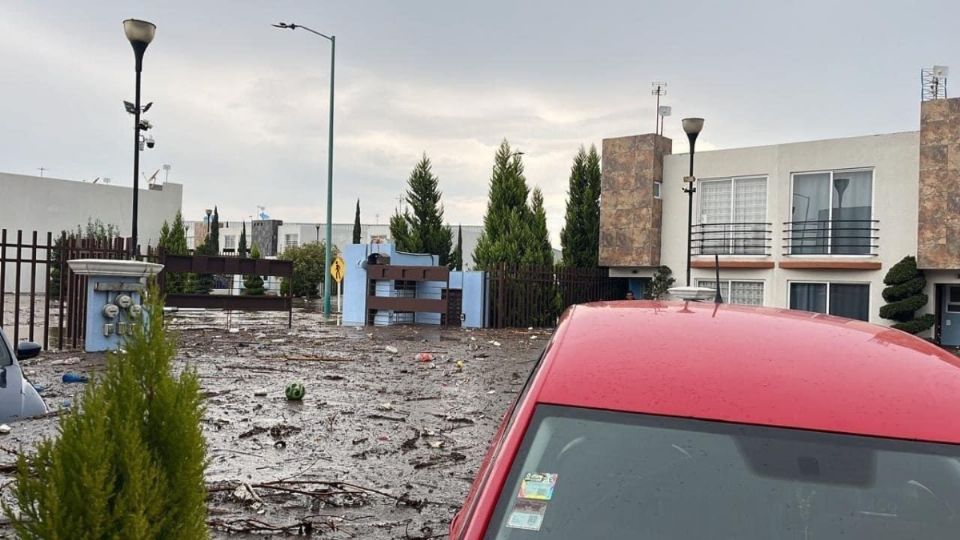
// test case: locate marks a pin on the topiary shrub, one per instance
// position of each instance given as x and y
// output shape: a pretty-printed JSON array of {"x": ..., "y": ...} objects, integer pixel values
[
  {"x": 253, "y": 284},
  {"x": 904, "y": 295},
  {"x": 130, "y": 458}
]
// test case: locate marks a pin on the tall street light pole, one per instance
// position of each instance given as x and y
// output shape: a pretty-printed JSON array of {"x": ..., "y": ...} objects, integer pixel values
[
  {"x": 692, "y": 127},
  {"x": 328, "y": 249},
  {"x": 140, "y": 33}
]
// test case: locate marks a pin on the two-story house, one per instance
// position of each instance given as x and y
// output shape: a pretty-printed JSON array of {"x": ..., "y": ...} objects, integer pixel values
[{"x": 812, "y": 226}]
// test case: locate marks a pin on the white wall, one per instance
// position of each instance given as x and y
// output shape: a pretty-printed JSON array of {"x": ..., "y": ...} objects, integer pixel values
[
  {"x": 895, "y": 161},
  {"x": 32, "y": 203}
]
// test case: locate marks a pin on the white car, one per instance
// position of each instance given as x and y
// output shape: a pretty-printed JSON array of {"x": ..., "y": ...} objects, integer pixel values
[{"x": 18, "y": 398}]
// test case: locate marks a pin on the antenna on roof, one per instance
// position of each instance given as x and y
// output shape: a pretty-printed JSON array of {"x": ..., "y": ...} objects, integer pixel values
[
  {"x": 933, "y": 83},
  {"x": 659, "y": 89}
]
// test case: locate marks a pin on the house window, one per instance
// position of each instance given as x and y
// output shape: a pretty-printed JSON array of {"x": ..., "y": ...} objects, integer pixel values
[
  {"x": 291, "y": 240},
  {"x": 832, "y": 213},
  {"x": 733, "y": 212},
  {"x": 657, "y": 187},
  {"x": 953, "y": 304},
  {"x": 851, "y": 300},
  {"x": 229, "y": 242},
  {"x": 748, "y": 293}
]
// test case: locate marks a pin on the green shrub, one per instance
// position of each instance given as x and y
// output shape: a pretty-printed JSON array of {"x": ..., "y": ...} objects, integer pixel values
[
  {"x": 904, "y": 296},
  {"x": 308, "y": 269},
  {"x": 129, "y": 461},
  {"x": 253, "y": 284}
]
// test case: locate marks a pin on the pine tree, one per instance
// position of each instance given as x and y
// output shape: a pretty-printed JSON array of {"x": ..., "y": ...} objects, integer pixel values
[
  {"x": 242, "y": 245},
  {"x": 580, "y": 237},
  {"x": 400, "y": 232},
  {"x": 456, "y": 257},
  {"x": 356, "y": 225},
  {"x": 129, "y": 460},
  {"x": 176, "y": 244},
  {"x": 425, "y": 231},
  {"x": 506, "y": 222},
  {"x": 904, "y": 295}
]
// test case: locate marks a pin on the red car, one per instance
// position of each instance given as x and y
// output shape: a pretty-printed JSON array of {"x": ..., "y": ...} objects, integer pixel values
[{"x": 670, "y": 421}]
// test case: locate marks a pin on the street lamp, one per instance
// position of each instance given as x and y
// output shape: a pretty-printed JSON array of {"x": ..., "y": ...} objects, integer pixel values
[
  {"x": 328, "y": 249},
  {"x": 692, "y": 127},
  {"x": 140, "y": 33}
]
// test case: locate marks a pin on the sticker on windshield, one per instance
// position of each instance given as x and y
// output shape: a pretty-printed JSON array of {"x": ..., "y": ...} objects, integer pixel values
[
  {"x": 538, "y": 486},
  {"x": 527, "y": 515}
]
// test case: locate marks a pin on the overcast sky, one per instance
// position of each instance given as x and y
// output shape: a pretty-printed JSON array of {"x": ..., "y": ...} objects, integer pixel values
[{"x": 240, "y": 108}]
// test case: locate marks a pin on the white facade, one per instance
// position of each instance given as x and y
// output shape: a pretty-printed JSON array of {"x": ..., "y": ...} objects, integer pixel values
[
  {"x": 771, "y": 186},
  {"x": 33, "y": 203},
  {"x": 295, "y": 234}
]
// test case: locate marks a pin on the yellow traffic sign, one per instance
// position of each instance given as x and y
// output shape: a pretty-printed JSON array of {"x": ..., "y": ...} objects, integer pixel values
[{"x": 337, "y": 268}]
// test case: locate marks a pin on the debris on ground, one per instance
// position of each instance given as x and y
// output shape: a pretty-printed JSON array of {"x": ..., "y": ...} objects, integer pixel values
[{"x": 379, "y": 450}]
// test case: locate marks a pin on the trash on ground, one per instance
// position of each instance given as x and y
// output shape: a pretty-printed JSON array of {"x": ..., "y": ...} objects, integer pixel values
[
  {"x": 71, "y": 377},
  {"x": 391, "y": 349},
  {"x": 424, "y": 357},
  {"x": 4, "y": 429}
]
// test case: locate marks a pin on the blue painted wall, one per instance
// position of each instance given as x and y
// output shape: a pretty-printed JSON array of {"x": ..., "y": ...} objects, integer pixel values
[{"x": 355, "y": 283}]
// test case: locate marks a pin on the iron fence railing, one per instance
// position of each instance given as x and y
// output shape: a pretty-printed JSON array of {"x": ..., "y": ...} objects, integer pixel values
[
  {"x": 731, "y": 238},
  {"x": 831, "y": 237}
]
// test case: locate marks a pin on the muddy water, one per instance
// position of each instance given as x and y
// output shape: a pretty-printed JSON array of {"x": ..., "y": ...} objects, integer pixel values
[{"x": 383, "y": 445}]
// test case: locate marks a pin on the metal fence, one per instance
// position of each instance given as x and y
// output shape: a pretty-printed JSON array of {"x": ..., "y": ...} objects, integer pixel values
[
  {"x": 46, "y": 297},
  {"x": 522, "y": 296}
]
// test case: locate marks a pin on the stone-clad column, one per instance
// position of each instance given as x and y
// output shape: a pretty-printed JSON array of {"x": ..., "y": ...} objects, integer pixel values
[
  {"x": 630, "y": 215},
  {"x": 938, "y": 229}
]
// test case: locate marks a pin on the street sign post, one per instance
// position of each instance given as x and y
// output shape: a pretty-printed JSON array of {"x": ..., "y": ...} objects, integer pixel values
[{"x": 337, "y": 269}]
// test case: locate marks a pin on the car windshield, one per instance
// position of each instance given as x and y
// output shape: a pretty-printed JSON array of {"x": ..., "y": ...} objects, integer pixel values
[{"x": 599, "y": 474}]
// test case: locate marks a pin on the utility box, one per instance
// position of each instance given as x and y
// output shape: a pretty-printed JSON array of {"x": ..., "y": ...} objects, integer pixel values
[{"x": 114, "y": 299}]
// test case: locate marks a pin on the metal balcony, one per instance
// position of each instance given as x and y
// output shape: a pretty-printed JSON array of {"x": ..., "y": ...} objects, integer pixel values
[
  {"x": 731, "y": 239},
  {"x": 831, "y": 237}
]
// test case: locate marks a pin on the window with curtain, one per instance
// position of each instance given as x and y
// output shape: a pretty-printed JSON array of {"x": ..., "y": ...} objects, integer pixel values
[
  {"x": 850, "y": 300},
  {"x": 832, "y": 213},
  {"x": 732, "y": 215},
  {"x": 748, "y": 293}
]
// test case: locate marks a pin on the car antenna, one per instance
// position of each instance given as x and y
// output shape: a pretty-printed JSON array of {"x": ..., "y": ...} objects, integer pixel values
[{"x": 718, "y": 299}]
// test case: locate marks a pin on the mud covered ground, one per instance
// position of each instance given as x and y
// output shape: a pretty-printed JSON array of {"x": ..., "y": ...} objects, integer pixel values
[{"x": 384, "y": 445}]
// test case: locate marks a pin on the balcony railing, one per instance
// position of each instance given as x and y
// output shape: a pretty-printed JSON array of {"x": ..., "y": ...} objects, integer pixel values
[
  {"x": 831, "y": 237},
  {"x": 730, "y": 239}
]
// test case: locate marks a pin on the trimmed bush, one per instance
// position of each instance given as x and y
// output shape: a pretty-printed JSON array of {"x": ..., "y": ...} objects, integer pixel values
[
  {"x": 129, "y": 461},
  {"x": 904, "y": 296}
]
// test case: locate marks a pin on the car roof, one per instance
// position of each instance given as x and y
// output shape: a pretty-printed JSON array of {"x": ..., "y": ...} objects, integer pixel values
[{"x": 751, "y": 365}]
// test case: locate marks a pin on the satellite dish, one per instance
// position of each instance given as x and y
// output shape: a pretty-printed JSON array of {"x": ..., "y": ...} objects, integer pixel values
[{"x": 941, "y": 72}]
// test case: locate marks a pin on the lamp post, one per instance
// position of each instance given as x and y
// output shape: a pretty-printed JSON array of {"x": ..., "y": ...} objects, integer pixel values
[
  {"x": 692, "y": 127},
  {"x": 327, "y": 251},
  {"x": 140, "y": 33}
]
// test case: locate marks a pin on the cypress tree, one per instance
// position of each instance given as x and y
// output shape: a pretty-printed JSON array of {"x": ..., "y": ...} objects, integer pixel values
[
  {"x": 426, "y": 232},
  {"x": 580, "y": 237},
  {"x": 242, "y": 245},
  {"x": 214, "y": 235},
  {"x": 129, "y": 459},
  {"x": 456, "y": 257},
  {"x": 356, "y": 225},
  {"x": 540, "y": 252},
  {"x": 506, "y": 222}
]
